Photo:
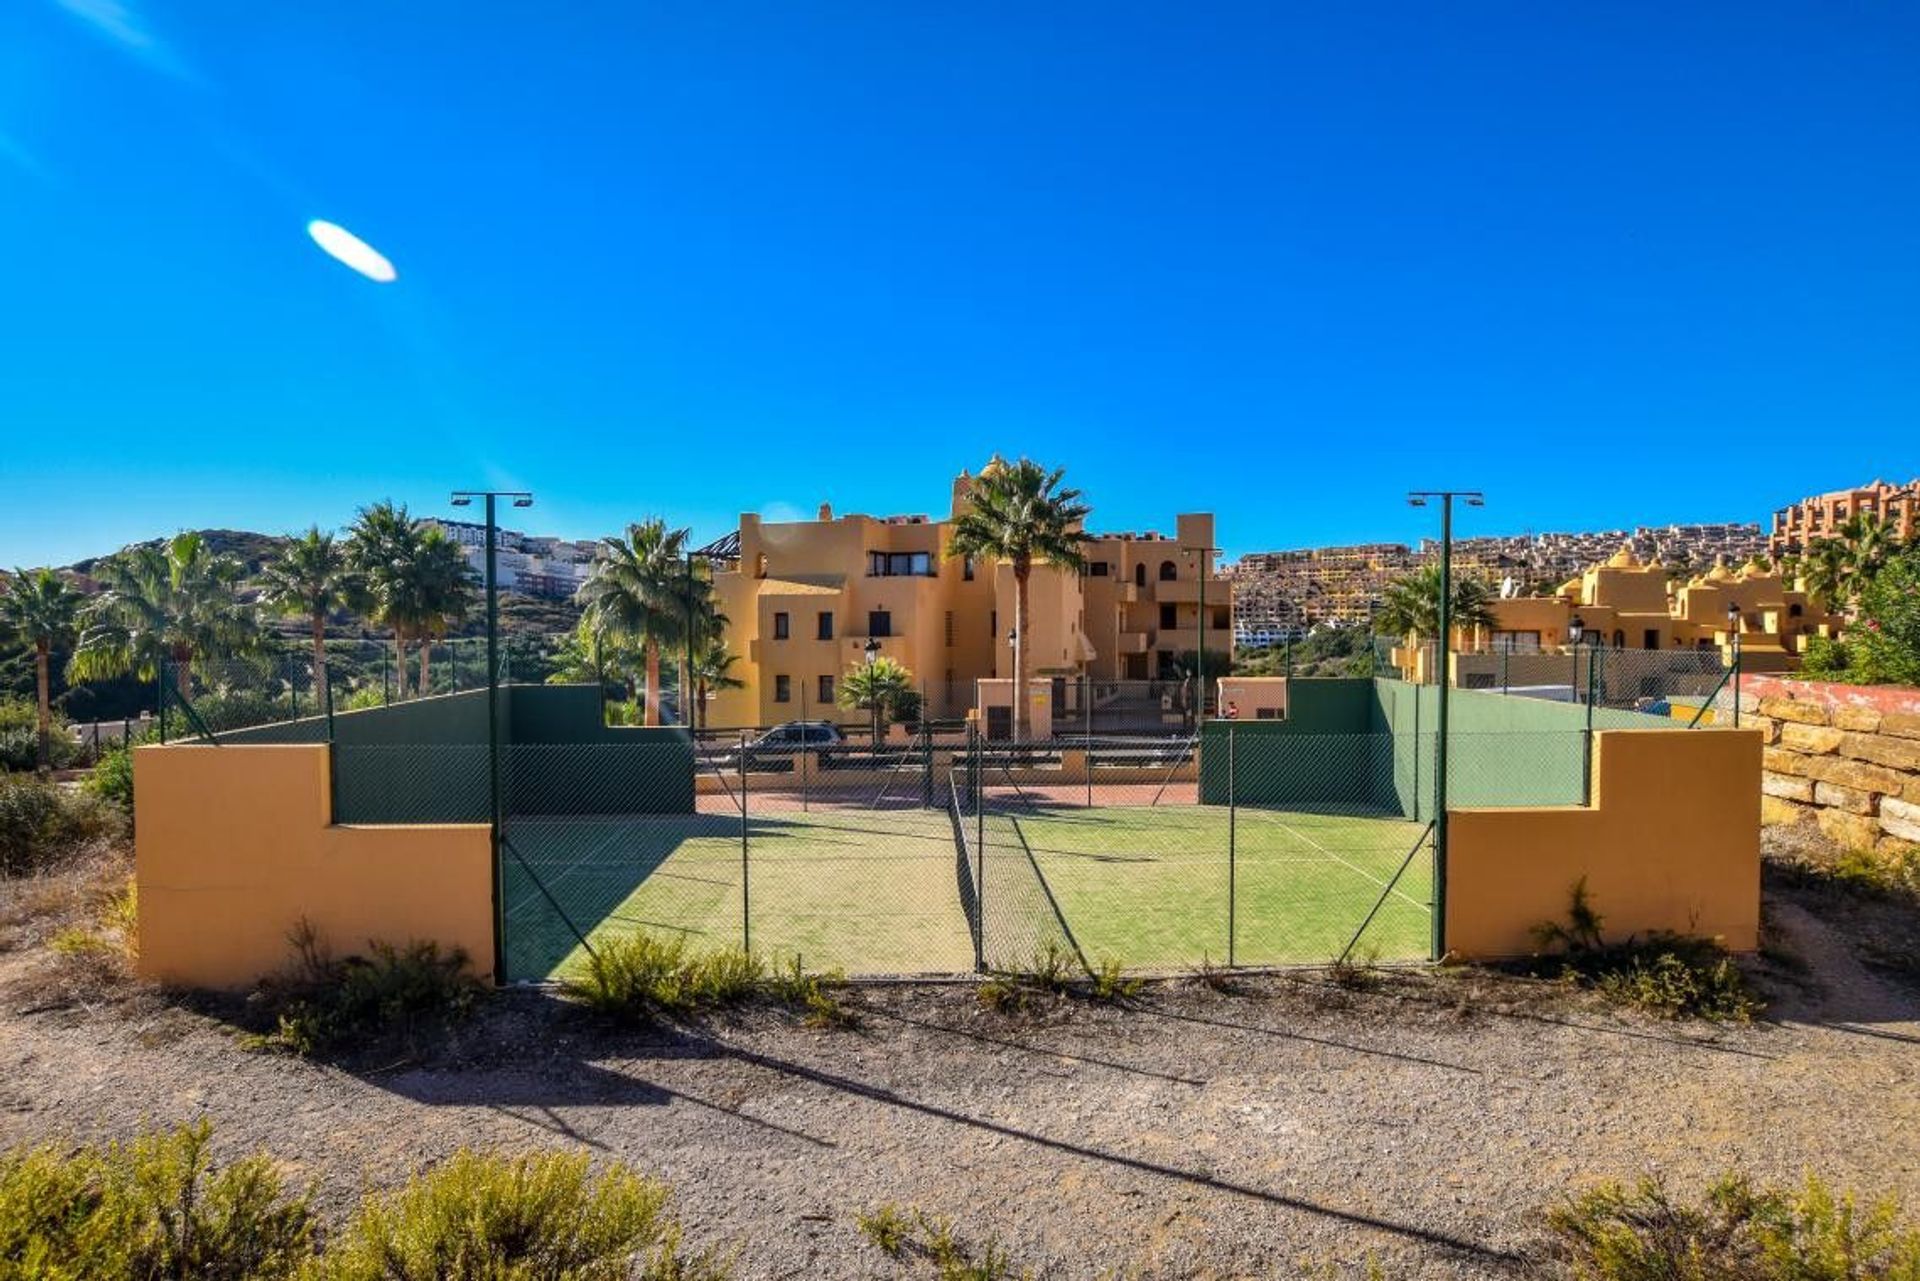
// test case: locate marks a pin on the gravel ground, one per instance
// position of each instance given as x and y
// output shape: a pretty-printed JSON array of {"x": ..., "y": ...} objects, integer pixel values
[{"x": 1289, "y": 1127}]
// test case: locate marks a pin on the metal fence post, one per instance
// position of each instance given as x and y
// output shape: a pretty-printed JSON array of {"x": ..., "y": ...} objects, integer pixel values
[
  {"x": 746, "y": 892},
  {"x": 1586, "y": 757},
  {"x": 806, "y": 746},
  {"x": 979, "y": 849},
  {"x": 333, "y": 751},
  {"x": 1086, "y": 711},
  {"x": 1233, "y": 822},
  {"x": 160, "y": 689}
]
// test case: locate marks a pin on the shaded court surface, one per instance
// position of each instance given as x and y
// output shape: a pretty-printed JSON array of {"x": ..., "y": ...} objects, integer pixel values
[{"x": 869, "y": 891}]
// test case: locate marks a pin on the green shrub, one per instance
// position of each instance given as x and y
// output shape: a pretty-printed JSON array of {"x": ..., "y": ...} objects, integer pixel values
[
  {"x": 1885, "y": 640},
  {"x": 887, "y": 1227},
  {"x": 899, "y": 1233},
  {"x": 391, "y": 1001},
  {"x": 1670, "y": 975},
  {"x": 1825, "y": 658},
  {"x": 812, "y": 994},
  {"x": 112, "y": 779},
  {"x": 641, "y": 976},
  {"x": 1110, "y": 982},
  {"x": 20, "y": 737},
  {"x": 155, "y": 1208},
  {"x": 41, "y": 824},
  {"x": 1738, "y": 1233},
  {"x": 531, "y": 1218}
]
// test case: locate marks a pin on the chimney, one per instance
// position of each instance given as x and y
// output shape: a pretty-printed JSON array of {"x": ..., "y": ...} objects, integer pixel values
[{"x": 826, "y": 511}]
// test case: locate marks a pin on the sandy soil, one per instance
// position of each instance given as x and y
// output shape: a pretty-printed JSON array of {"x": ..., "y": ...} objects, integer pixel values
[{"x": 1292, "y": 1125}]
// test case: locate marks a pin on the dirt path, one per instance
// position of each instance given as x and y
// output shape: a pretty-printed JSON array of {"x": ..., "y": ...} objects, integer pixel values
[{"x": 1197, "y": 1134}]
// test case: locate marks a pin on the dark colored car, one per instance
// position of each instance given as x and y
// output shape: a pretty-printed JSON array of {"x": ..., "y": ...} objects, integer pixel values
[{"x": 777, "y": 748}]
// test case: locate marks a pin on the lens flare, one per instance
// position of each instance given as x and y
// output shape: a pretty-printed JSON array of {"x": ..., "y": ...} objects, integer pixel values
[{"x": 349, "y": 250}]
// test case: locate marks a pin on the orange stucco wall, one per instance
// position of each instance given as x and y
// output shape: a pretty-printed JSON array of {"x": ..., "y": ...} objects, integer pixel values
[
  {"x": 1672, "y": 843},
  {"x": 234, "y": 846}
]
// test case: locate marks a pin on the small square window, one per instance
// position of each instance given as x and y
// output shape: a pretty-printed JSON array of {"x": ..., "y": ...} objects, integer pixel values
[
  {"x": 826, "y": 691},
  {"x": 783, "y": 689},
  {"x": 781, "y": 626}
]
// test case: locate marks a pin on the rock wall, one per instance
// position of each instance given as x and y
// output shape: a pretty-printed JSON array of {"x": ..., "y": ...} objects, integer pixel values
[{"x": 1845, "y": 757}]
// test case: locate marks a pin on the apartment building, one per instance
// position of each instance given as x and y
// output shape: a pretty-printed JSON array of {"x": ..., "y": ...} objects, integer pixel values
[
  {"x": 1278, "y": 594},
  {"x": 1624, "y": 603},
  {"x": 805, "y": 599},
  {"x": 531, "y": 564},
  {"x": 1822, "y": 515}
]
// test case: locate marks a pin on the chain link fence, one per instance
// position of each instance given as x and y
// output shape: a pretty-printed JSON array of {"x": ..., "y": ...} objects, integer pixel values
[{"x": 951, "y": 852}]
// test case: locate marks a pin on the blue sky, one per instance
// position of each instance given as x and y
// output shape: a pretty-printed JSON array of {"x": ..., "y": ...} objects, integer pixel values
[{"x": 1632, "y": 264}]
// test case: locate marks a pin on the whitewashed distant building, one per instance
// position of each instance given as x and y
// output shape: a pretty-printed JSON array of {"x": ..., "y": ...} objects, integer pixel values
[{"x": 531, "y": 564}]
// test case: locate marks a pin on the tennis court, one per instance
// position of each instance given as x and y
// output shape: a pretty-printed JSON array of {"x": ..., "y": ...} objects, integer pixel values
[
  {"x": 868, "y": 891},
  {"x": 875, "y": 891},
  {"x": 1158, "y": 887}
]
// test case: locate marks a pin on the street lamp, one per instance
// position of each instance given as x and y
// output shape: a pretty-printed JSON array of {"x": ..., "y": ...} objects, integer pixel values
[
  {"x": 1418, "y": 498},
  {"x": 1576, "y": 629},
  {"x": 1204, "y": 554},
  {"x": 519, "y": 498},
  {"x": 1733, "y": 627},
  {"x": 1576, "y": 632},
  {"x": 872, "y": 651}
]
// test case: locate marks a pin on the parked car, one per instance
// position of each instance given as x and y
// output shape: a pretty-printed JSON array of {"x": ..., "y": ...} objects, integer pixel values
[{"x": 777, "y": 748}]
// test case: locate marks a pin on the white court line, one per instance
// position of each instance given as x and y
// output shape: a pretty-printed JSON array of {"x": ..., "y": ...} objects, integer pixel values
[
  {"x": 1425, "y": 907},
  {"x": 535, "y": 893}
]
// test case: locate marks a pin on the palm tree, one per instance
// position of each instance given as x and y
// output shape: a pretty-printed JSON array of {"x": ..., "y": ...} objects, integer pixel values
[
  {"x": 41, "y": 611},
  {"x": 170, "y": 604},
  {"x": 1021, "y": 513},
  {"x": 312, "y": 579},
  {"x": 1824, "y": 569},
  {"x": 704, "y": 624},
  {"x": 635, "y": 594},
  {"x": 1410, "y": 605},
  {"x": 383, "y": 547},
  {"x": 883, "y": 685},
  {"x": 1869, "y": 539},
  {"x": 712, "y": 670},
  {"x": 444, "y": 590}
]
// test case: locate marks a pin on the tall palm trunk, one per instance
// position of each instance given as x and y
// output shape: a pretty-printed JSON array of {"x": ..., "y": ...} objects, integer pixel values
[
  {"x": 700, "y": 706},
  {"x": 1020, "y": 713},
  {"x": 42, "y": 673},
  {"x": 399, "y": 666},
  {"x": 653, "y": 685},
  {"x": 685, "y": 692},
  {"x": 319, "y": 657},
  {"x": 426, "y": 665}
]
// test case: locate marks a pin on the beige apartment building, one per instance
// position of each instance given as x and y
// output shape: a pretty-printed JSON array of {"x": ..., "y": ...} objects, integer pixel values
[
  {"x": 805, "y": 599},
  {"x": 1821, "y": 516},
  {"x": 1625, "y": 604}
]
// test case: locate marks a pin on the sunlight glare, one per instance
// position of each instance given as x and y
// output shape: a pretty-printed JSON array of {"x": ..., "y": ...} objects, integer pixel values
[{"x": 348, "y": 249}]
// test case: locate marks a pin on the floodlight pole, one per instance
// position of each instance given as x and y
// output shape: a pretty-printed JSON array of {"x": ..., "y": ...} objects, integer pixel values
[
  {"x": 462, "y": 498},
  {"x": 1443, "y": 653},
  {"x": 1200, "y": 635}
]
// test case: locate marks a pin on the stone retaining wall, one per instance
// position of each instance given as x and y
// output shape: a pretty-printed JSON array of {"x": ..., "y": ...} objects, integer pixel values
[{"x": 1844, "y": 757}]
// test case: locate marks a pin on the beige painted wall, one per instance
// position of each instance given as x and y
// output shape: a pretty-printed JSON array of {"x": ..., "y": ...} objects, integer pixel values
[
  {"x": 1672, "y": 843},
  {"x": 234, "y": 846}
]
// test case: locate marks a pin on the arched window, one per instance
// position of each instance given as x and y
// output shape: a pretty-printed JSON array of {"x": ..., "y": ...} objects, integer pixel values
[
  {"x": 1168, "y": 571},
  {"x": 1140, "y": 574}
]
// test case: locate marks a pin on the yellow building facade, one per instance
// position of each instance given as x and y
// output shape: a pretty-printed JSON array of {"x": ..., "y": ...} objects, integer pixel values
[
  {"x": 805, "y": 599},
  {"x": 1624, "y": 604}
]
